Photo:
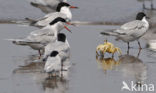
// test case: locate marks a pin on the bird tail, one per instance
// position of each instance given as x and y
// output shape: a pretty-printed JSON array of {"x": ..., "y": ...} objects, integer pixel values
[
  {"x": 34, "y": 4},
  {"x": 110, "y": 33},
  {"x": 32, "y": 22},
  {"x": 21, "y": 42}
]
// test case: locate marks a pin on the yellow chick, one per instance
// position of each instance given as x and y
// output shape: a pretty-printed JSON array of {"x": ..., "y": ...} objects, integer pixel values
[{"x": 107, "y": 47}]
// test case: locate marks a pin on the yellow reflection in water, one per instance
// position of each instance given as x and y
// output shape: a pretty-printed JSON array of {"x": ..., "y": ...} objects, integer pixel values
[{"x": 107, "y": 63}]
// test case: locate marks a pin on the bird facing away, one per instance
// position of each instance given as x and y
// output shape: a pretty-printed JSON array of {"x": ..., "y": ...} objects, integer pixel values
[
  {"x": 53, "y": 62},
  {"x": 131, "y": 31},
  {"x": 61, "y": 45}
]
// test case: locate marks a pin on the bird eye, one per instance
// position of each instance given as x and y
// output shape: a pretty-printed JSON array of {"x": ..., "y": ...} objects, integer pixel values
[{"x": 67, "y": 20}]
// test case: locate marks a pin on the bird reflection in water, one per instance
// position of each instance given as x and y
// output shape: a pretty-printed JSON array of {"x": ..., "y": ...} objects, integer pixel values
[
  {"x": 30, "y": 68},
  {"x": 144, "y": 6},
  {"x": 129, "y": 65},
  {"x": 132, "y": 66},
  {"x": 55, "y": 84}
]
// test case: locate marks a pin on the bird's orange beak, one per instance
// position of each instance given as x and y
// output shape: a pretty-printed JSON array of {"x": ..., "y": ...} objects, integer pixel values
[
  {"x": 68, "y": 23},
  {"x": 74, "y": 7},
  {"x": 67, "y": 29}
]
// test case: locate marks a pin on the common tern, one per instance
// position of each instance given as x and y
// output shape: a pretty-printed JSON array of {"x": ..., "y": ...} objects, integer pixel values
[
  {"x": 38, "y": 39},
  {"x": 48, "y": 8},
  {"x": 61, "y": 45},
  {"x": 53, "y": 62},
  {"x": 63, "y": 10}
]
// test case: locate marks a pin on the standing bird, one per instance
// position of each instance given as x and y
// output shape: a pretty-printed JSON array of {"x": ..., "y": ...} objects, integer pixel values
[
  {"x": 61, "y": 45},
  {"x": 59, "y": 62},
  {"x": 131, "y": 31},
  {"x": 63, "y": 10},
  {"x": 47, "y": 6},
  {"x": 38, "y": 39},
  {"x": 53, "y": 63}
]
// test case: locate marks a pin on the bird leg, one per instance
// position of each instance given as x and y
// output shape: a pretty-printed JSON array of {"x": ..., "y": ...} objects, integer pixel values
[
  {"x": 152, "y": 5},
  {"x": 128, "y": 48},
  {"x": 128, "y": 45},
  {"x": 61, "y": 69},
  {"x": 143, "y": 5},
  {"x": 39, "y": 51},
  {"x": 139, "y": 52},
  {"x": 139, "y": 45}
]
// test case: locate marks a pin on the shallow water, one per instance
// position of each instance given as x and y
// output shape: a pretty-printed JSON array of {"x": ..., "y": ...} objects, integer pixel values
[{"x": 19, "y": 74}]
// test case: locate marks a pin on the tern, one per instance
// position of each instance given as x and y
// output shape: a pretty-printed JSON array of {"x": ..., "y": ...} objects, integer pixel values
[
  {"x": 61, "y": 45},
  {"x": 131, "y": 31},
  {"x": 48, "y": 8},
  {"x": 63, "y": 10},
  {"x": 53, "y": 62},
  {"x": 38, "y": 39}
]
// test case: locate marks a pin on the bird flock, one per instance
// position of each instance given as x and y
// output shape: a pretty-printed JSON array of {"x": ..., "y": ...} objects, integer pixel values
[
  {"x": 54, "y": 46},
  {"x": 48, "y": 40}
]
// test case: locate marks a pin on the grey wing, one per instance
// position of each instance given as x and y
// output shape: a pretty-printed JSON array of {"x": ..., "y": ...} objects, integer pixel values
[
  {"x": 46, "y": 16},
  {"x": 44, "y": 8},
  {"x": 42, "y": 39},
  {"x": 43, "y": 36},
  {"x": 44, "y": 31},
  {"x": 22, "y": 41},
  {"x": 55, "y": 46},
  {"x": 130, "y": 27}
]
